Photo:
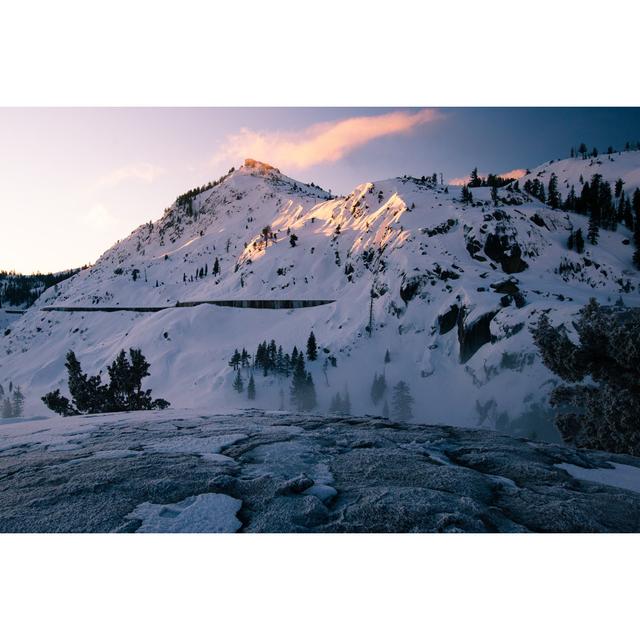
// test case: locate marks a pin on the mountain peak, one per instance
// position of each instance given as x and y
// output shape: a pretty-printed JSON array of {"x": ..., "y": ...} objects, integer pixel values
[{"x": 260, "y": 167}]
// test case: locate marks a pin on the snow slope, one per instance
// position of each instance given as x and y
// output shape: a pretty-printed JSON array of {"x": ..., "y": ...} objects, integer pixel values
[
  {"x": 455, "y": 289},
  {"x": 621, "y": 164}
]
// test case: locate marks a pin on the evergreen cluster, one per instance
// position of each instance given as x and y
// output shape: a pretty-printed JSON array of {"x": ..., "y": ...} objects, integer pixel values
[
  {"x": 401, "y": 399},
  {"x": 270, "y": 358},
  {"x": 18, "y": 290},
  {"x": 491, "y": 180},
  {"x": 606, "y": 207},
  {"x": 576, "y": 241},
  {"x": 202, "y": 272},
  {"x": 378, "y": 388},
  {"x": 123, "y": 393},
  {"x": 466, "y": 195},
  {"x": 341, "y": 403},
  {"x": 583, "y": 152},
  {"x": 12, "y": 403},
  {"x": 600, "y": 405},
  {"x": 185, "y": 199}
]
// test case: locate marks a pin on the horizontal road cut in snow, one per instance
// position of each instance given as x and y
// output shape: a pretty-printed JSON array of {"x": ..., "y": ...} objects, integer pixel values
[{"x": 242, "y": 304}]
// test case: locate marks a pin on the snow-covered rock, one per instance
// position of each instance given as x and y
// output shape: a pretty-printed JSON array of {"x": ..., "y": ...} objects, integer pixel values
[{"x": 180, "y": 471}]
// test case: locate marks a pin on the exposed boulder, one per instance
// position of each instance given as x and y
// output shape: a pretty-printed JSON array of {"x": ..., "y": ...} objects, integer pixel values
[
  {"x": 506, "y": 286},
  {"x": 448, "y": 320},
  {"x": 506, "y": 252},
  {"x": 474, "y": 335}
]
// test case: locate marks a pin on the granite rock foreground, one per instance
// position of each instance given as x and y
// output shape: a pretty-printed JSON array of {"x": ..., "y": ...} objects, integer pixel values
[{"x": 276, "y": 472}]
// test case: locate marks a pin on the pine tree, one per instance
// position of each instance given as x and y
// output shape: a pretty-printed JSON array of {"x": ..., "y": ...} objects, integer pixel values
[
  {"x": 216, "y": 267},
  {"x": 475, "y": 180},
  {"x": 579, "y": 241},
  {"x": 238, "y": 384},
  {"x": 593, "y": 231},
  {"x": 621, "y": 206},
  {"x": 336, "y": 404},
  {"x": 18, "y": 402},
  {"x": 618, "y": 187},
  {"x": 298, "y": 383},
  {"x": 236, "y": 359},
  {"x": 346, "y": 403},
  {"x": 251, "y": 388},
  {"x": 570, "y": 241},
  {"x": 402, "y": 402},
  {"x": 280, "y": 362},
  {"x": 7, "y": 409},
  {"x": 627, "y": 216},
  {"x": 553, "y": 195},
  {"x": 310, "y": 400},
  {"x": 387, "y": 357},
  {"x": 494, "y": 194},
  {"x": 466, "y": 196},
  {"x": 312, "y": 347},
  {"x": 378, "y": 388}
]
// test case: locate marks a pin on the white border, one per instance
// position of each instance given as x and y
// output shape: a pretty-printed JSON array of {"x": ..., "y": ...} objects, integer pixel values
[
  {"x": 331, "y": 54},
  {"x": 337, "y": 53}
]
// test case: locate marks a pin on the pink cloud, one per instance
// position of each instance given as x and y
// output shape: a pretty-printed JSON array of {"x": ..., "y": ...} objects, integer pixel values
[
  {"x": 321, "y": 143},
  {"x": 514, "y": 174}
]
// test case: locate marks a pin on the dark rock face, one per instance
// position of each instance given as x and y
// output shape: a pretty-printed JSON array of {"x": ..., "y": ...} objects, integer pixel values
[
  {"x": 507, "y": 253},
  {"x": 506, "y": 286},
  {"x": 474, "y": 335},
  {"x": 473, "y": 249},
  {"x": 536, "y": 218},
  {"x": 448, "y": 320},
  {"x": 410, "y": 288},
  {"x": 301, "y": 473}
]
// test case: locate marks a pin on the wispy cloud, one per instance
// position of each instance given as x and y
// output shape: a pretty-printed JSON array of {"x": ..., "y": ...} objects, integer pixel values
[
  {"x": 139, "y": 171},
  {"x": 98, "y": 218},
  {"x": 321, "y": 143},
  {"x": 514, "y": 174}
]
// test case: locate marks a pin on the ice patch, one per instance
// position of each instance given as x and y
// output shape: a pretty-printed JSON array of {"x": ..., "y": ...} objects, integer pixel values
[
  {"x": 622, "y": 476},
  {"x": 322, "y": 491},
  {"x": 204, "y": 513}
]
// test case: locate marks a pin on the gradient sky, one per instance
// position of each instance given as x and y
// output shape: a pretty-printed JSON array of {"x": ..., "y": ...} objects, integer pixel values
[{"x": 73, "y": 181}]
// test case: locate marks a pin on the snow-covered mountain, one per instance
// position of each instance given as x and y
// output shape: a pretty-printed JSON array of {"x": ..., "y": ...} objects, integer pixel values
[
  {"x": 613, "y": 166},
  {"x": 452, "y": 290}
]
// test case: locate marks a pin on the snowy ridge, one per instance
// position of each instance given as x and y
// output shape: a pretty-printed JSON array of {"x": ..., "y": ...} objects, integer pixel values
[
  {"x": 453, "y": 289},
  {"x": 621, "y": 164}
]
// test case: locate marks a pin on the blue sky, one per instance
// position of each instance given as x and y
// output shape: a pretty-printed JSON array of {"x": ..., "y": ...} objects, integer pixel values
[{"x": 73, "y": 181}]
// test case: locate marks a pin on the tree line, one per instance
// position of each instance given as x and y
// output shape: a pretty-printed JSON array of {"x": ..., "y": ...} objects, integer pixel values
[{"x": 19, "y": 290}]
